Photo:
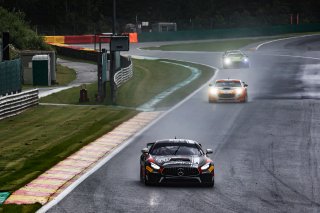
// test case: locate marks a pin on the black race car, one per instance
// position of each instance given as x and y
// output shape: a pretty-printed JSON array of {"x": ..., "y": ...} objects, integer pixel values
[{"x": 177, "y": 160}]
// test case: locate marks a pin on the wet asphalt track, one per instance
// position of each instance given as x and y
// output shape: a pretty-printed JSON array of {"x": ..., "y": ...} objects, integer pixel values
[{"x": 266, "y": 151}]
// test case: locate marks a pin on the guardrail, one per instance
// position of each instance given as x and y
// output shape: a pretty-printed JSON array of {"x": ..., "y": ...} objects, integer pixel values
[
  {"x": 123, "y": 75},
  {"x": 11, "y": 105}
]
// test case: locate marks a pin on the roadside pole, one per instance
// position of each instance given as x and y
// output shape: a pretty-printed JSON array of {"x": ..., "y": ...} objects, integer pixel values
[{"x": 113, "y": 58}]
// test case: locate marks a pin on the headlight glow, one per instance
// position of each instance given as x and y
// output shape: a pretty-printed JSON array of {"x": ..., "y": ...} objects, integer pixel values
[
  {"x": 213, "y": 91},
  {"x": 154, "y": 166},
  {"x": 238, "y": 91},
  {"x": 227, "y": 61},
  {"x": 205, "y": 166},
  {"x": 245, "y": 59}
]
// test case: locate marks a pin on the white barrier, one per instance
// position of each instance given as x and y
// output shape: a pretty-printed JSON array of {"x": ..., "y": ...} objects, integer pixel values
[
  {"x": 11, "y": 105},
  {"x": 123, "y": 75}
]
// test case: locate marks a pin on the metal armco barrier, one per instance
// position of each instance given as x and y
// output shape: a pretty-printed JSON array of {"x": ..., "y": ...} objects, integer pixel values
[
  {"x": 123, "y": 75},
  {"x": 11, "y": 105}
]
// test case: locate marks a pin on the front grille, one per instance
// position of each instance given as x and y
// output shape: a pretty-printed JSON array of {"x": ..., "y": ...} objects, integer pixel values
[
  {"x": 226, "y": 95},
  {"x": 180, "y": 171}
]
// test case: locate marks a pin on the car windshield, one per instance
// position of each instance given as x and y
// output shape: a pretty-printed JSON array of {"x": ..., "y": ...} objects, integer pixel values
[
  {"x": 228, "y": 84},
  {"x": 235, "y": 55},
  {"x": 175, "y": 149}
]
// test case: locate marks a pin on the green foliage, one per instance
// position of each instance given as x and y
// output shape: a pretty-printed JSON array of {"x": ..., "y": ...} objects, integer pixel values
[
  {"x": 94, "y": 16},
  {"x": 21, "y": 36}
]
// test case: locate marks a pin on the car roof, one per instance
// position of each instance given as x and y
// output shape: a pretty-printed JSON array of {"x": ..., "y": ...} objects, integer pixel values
[
  {"x": 233, "y": 51},
  {"x": 177, "y": 141},
  {"x": 228, "y": 80}
]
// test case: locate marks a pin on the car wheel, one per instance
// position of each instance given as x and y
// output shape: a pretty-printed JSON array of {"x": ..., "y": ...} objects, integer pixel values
[
  {"x": 209, "y": 184},
  {"x": 141, "y": 174},
  {"x": 246, "y": 99},
  {"x": 146, "y": 181}
]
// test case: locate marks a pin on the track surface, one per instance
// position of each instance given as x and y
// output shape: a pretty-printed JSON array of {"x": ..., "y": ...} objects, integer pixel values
[{"x": 266, "y": 151}]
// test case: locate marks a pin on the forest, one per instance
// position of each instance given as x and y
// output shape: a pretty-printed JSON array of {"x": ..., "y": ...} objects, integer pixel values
[{"x": 95, "y": 16}]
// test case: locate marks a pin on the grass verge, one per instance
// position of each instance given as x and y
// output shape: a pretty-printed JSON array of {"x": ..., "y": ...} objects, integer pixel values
[
  {"x": 37, "y": 139},
  {"x": 222, "y": 45},
  {"x": 64, "y": 76},
  {"x": 20, "y": 208},
  {"x": 151, "y": 77},
  {"x": 206, "y": 74}
]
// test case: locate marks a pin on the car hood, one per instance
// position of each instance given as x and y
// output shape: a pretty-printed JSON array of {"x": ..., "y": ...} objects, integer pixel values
[
  {"x": 236, "y": 58},
  {"x": 227, "y": 88},
  {"x": 180, "y": 160}
]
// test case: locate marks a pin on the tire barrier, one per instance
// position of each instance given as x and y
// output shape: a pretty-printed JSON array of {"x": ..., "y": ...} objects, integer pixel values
[{"x": 11, "y": 105}]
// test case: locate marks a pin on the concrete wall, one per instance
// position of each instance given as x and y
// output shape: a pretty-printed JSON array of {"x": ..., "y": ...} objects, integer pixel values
[{"x": 26, "y": 60}]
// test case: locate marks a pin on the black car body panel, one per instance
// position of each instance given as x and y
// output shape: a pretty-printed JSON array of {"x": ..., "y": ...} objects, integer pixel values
[{"x": 179, "y": 160}]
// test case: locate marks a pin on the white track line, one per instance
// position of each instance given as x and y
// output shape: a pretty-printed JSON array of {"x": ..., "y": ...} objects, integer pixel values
[
  {"x": 70, "y": 188},
  {"x": 281, "y": 39}
]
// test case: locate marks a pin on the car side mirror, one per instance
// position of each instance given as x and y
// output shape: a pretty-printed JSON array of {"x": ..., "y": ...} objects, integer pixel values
[
  {"x": 145, "y": 151},
  {"x": 209, "y": 151}
]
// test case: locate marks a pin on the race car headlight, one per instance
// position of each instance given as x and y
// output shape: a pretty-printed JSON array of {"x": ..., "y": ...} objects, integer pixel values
[
  {"x": 227, "y": 61},
  {"x": 154, "y": 166},
  {"x": 238, "y": 91},
  {"x": 205, "y": 166},
  {"x": 213, "y": 91},
  {"x": 245, "y": 59}
]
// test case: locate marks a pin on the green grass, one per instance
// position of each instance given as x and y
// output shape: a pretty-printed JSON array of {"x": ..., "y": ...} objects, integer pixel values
[
  {"x": 151, "y": 77},
  {"x": 37, "y": 139},
  {"x": 65, "y": 75},
  {"x": 222, "y": 45},
  {"x": 71, "y": 96},
  {"x": 20, "y": 208},
  {"x": 177, "y": 96}
]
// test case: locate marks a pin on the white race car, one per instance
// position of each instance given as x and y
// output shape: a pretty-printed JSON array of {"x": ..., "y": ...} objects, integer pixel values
[{"x": 235, "y": 59}]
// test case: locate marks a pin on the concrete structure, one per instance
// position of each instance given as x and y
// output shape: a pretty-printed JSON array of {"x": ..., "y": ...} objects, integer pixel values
[{"x": 26, "y": 60}]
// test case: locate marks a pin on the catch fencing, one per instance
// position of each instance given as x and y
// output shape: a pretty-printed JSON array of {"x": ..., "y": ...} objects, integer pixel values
[
  {"x": 10, "y": 77},
  {"x": 11, "y": 105}
]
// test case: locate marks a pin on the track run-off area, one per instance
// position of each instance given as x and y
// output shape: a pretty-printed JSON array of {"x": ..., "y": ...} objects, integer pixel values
[{"x": 266, "y": 151}]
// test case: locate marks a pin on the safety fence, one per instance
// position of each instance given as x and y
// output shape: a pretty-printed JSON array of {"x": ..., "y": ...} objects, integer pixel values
[
  {"x": 10, "y": 77},
  {"x": 11, "y": 105},
  {"x": 123, "y": 75}
]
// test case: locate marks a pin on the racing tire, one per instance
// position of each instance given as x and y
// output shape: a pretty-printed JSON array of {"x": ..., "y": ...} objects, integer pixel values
[
  {"x": 148, "y": 182},
  {"x": 141, "y": 175},
  {"x": 143, "y": 178},
  {"x": 209, "y": 184},
  {"x": 245, "y": 99}
]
